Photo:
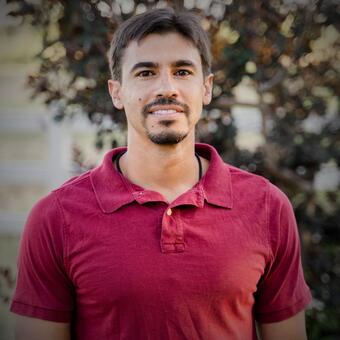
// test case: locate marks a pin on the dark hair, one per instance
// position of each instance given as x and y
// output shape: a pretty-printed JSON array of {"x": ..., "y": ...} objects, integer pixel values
[{"x": 158, "y": 21}]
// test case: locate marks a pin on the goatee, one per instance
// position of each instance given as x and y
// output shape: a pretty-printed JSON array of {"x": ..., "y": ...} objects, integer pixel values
[{"x": 166, "y": 137}]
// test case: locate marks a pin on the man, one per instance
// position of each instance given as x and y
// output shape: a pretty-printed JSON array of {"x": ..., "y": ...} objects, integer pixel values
[{"x": 163, "y": 240}]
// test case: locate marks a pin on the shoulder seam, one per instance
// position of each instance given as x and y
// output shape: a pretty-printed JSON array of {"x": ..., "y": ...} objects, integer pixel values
[
  {"x": 268, "y": 238},
  {"x": 65, "y": 242}
]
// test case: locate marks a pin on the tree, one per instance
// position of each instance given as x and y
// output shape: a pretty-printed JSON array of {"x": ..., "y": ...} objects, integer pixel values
[{"x": 287, "y": 50}]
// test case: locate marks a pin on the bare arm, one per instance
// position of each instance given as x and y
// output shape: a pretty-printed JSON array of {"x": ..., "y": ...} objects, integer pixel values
[
  {"x": 31, "y": 329},
  {"x": 291, "y": 329}
]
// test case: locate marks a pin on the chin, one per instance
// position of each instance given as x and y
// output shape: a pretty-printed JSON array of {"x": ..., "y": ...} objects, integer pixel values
[{"x": 167, "y": 138}]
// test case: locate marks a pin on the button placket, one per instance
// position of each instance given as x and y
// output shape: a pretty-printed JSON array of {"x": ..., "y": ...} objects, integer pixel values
[{"x": 172, "y": 233}]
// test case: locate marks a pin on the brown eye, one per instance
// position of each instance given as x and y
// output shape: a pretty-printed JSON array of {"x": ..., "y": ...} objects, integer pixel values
[
  {"x": 183, "y": 73},
  {"x": 145, "y": 73}
]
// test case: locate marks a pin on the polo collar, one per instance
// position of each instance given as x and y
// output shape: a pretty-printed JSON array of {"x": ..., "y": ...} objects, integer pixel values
[
  {"x": 108, "y": 185},
  {"x": 216, "y": 183},
  {"x": 113, "y": 191}
]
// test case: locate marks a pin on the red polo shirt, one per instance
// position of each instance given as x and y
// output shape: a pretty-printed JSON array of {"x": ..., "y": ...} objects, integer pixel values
[{"x": 119, "y": 262}]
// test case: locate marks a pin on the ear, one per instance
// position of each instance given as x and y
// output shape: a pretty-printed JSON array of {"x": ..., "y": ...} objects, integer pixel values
[
  {"x": 208, "y": 86},
  {"x": 115, "y": 93}
]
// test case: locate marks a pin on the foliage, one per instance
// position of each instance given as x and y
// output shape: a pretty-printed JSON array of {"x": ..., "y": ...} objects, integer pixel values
[{"x": 287, "y": 50}]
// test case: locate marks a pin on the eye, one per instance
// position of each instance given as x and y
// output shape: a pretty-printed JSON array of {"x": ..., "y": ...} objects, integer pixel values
[
  {"x": 183, "y": 73},
  {"x": 145, "y": 73}
]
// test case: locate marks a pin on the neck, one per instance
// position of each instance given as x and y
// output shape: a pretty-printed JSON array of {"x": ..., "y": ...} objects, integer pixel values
[{"x": 167, "y": 169}]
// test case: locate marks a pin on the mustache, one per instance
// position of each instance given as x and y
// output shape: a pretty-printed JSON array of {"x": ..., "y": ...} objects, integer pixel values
[{"x": 165, "y": 101}]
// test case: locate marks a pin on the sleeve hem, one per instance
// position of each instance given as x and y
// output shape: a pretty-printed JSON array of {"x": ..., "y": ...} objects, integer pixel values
[
  {"x": 40, "y": 313},
  {"x": 286, "y": 313}
]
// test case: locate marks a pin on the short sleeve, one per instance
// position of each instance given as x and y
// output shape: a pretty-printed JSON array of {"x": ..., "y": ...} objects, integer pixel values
[
  {"x": 282, "y": 292},
  {"x": 43, "y": 289}
]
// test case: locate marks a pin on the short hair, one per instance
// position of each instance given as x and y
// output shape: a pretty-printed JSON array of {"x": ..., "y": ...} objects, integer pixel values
[{"x": 159, "y": 21}]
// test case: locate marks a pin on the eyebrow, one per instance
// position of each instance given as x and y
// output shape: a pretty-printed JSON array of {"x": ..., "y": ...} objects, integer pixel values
[
  {"x": 144, "y": 64},
  {"x": 150, "y": 64},
  {"x": 183, "y": 62}
]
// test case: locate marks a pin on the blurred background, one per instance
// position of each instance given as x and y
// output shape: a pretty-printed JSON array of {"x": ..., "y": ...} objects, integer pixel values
[{"x": 275, "y": 112}]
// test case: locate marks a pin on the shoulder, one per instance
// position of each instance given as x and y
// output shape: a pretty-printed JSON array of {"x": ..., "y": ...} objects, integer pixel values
[
  {"x": 49, "y": 208},
  {"x": 257, "y": 185},
  {"x": 245, "y": 177},
  {"x": 74, "y": 191},
  {"x": 74, "y": 183},
  {"x": 249, "y": 187}
]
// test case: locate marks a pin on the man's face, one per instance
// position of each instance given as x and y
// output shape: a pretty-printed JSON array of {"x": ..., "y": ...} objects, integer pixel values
[{"x": 162, "y": 89}]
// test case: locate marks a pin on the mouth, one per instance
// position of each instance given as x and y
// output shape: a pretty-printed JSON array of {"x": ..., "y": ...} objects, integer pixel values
[{"x": 165, "y": 110}]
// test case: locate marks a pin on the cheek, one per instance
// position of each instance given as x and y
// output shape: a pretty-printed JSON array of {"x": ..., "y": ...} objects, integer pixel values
[
  {"x": 197, "y": 92},
  {"x": 133, "y": 95},
  {"x": 130, "y": 100},
  {"x": 197, "y": 98}
]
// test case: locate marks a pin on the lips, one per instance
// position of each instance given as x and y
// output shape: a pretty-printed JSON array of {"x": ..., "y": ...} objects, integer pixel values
[
  {"x": 165, "y": 107},
  {"x": 163, "y": 110}
]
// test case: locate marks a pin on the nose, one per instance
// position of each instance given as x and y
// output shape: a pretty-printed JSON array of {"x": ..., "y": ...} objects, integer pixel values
[{"x": 166, "y": 87}]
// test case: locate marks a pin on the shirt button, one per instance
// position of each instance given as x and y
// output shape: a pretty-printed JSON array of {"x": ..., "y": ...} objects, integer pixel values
[{"x": 169, "y": 212}]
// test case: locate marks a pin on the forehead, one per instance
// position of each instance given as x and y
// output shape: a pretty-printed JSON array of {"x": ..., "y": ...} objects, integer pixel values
[{"x": 161, "y": 49}]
